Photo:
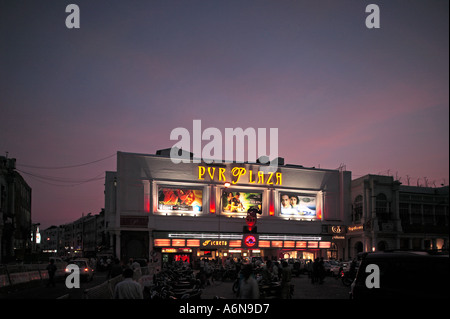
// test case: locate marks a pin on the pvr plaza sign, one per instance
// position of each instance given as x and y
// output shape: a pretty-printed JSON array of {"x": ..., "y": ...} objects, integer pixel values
[{"x": 259, "y": 177}]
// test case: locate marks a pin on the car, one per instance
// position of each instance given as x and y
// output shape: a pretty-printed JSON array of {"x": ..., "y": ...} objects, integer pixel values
[
  {"x": 86, "y": 272},
  {"x": 328, "y": 265},
  {"x": 59, "y": 263},
  {"x": 402, "y": 275}
]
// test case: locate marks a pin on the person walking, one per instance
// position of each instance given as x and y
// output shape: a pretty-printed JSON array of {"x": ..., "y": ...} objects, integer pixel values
[
  {"x": 51, "y": 269},
  {"x": 248, "y": 287},
  {"x": 115, "y": 270},
  {"x": 321, "y": 271},
  {"x": 286, "y": 276},
  {"x": 128, "y": 288}
]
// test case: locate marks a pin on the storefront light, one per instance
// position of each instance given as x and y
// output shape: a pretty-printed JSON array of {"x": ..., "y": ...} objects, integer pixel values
[
  {"x": 277, "y": 243},
  {"x": 325, "y": 244},
  {"x": 178, "y": 242},
  {"x": 193, "y": 243},
  {"x": 264, "y": 244},
  {"x": 289, "y": 244},
  {"x": 313, "y": 244},
  {"x": 301, "y": 244},
  {"x": 235, "y": 243},
  {"x": 161, "y": 242}
]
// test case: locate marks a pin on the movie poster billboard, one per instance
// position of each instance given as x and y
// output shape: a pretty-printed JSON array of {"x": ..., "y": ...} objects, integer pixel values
[
  {"x": 180, "y": 199},
  {"x": 239, "y": 202},
  {"x": 299, "y": 205}
]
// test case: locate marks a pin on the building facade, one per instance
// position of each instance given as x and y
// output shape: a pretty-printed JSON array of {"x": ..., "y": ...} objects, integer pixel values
[
  {"x": 387, "y": 215},
  {"x": 15, "y": 213},
  {"x": 84, "y": 237},
  {"x": 194, "y": 210}
]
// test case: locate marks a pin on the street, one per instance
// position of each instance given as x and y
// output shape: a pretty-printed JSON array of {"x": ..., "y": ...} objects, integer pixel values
[
  {"x": 38, "y": 289},
  {"x": 304, "y": 289},
  {"x": 330, "y": 289}
]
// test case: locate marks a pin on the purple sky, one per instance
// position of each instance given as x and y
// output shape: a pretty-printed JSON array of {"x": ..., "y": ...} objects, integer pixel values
[{"x": 338, "y": 92}]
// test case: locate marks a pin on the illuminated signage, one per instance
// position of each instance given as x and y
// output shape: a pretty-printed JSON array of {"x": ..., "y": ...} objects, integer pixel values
[
  {"x": 297, "y": 205},
  {"x": 214, "y": 243},
  {"x": 180, "y": 199},
  {"x": 235, "y": 243},
  {"x": 169, "y": 250},
  {"x": 250, "y": 241},
  {"x": 337, "y": 229},
  {"x": 238, "y": 202},
  {"x": 324, "y": 244},
  {"x": 264, "y": 243},
  {"x": 218, "y": 173},
  {"x": 355, "y": 228}
]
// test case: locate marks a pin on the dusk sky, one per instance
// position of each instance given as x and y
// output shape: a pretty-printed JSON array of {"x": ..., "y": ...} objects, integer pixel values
[{"x": 376, "y": 100}]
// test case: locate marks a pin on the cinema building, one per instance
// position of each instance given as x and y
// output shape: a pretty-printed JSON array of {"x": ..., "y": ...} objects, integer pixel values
[{"x": 188, "y": 211}]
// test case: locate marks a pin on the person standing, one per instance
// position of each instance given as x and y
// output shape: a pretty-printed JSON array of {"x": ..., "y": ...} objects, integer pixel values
[{"x": 128, "y": 288}]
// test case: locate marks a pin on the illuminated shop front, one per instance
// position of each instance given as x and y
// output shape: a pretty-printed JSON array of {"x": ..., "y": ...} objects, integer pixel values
[{"x": 197, "y": 210}]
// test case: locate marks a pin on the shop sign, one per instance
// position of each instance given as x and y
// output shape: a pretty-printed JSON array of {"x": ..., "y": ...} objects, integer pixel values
[
  {"x": 334, "y": 229},
  {"x": 352, "y": 229},
  {"x": 214, "y": 243},
  {"x": 218, "y": 174},
  {"x": 176, "y": 250},
  {"x": 337, "y": 229},
  {"x": 250, "y": 241}
]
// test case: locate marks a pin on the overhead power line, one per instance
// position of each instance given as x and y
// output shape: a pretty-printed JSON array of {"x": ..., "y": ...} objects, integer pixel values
[
  {"x": 63, "y": 167},
  {"x": 60, "y": 181}
]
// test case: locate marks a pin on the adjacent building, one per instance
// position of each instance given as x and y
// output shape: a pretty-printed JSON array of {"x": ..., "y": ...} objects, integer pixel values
[
  {"x": 15, "y": 213},
  {"x": 386, "y": 215},
  {"x": 84, "y": 237}
]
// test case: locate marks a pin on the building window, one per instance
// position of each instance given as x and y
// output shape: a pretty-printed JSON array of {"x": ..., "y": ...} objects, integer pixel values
[
  {"x": 382, "y": 246},
  {"x": 358, "y": 208},
  {"x": 441, "y": 217},
  {"x": 416, "y": 214},
  {"x": 404, "y": 213},
  {"x": 382, "y": 207},
  {"x": 428, "y": 216}
]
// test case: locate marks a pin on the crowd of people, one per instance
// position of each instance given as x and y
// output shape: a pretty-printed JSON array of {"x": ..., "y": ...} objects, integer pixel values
[
  {"x": 316, "y": 271},
  {"x": 250, "y": 277}
]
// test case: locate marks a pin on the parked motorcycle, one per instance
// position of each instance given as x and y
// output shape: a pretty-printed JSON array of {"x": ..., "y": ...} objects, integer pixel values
[
  {"x": 174, "y": 283},
  {"x": 347, "y": 278}
]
